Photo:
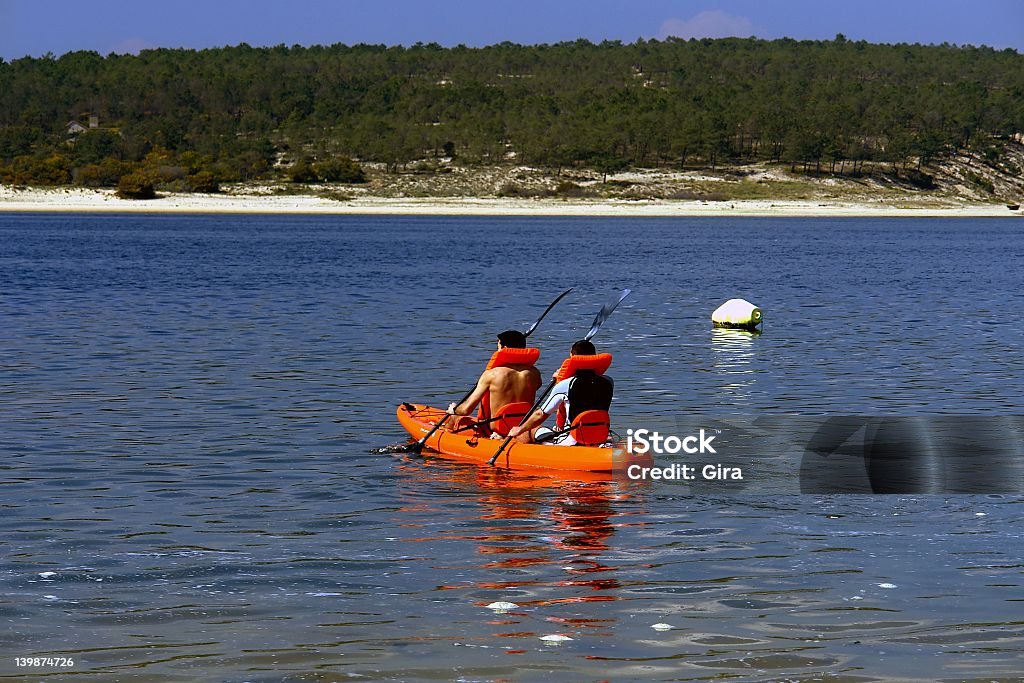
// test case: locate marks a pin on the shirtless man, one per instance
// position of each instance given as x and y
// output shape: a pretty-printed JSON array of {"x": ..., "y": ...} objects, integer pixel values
[{"x": 505, "y": 384}]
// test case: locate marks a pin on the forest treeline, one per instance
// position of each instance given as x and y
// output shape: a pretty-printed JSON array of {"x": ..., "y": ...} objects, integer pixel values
[{"x": 191, "y": 119}]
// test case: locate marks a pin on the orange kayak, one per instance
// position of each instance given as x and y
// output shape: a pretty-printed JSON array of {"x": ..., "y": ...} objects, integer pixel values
[{"x": 471, "y": 447}]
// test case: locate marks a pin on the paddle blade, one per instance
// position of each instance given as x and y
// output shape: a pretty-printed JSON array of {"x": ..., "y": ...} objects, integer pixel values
[
  {"x": 603, "y": 314},
  {"x": 546, "y": 311}
]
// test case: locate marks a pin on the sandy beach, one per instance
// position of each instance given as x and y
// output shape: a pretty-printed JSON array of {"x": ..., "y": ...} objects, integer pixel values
[{"x": 85, "y": 200}]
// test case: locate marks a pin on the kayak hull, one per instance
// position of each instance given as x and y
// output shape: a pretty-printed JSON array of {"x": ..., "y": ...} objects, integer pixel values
[{"x": 418, "y": 420}]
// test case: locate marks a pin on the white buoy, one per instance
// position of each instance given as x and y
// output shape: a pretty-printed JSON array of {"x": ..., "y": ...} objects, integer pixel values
[
  {"x": 502, "y": 606},
  {"x": 557, "y": 638},
  {"x": 738, "y": 314},
  {"x": 662, "y": 627}
]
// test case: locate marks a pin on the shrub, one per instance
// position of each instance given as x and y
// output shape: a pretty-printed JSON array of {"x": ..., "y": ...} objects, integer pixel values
[
  {"x": 302, "y": 172},
  {"x": 26, "y": 170},
  {"x": 135, "y": 186},
  {"x": 203, "y": 181},
  {"x": 340, "y": 170},
  {"x": 514, "y": 190},
  {"x": 423, "y": 167},
  {"x": 982, "y": 183},
  {"x": 570, "y": 189},
  {"x": 168, "y": 173},
  {"x": 921, "y": 180},
  {"x": 104, "y": 174}
]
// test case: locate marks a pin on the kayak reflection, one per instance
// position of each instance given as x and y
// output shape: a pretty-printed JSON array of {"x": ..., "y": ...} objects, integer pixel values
[{"x": 539, "y": 541}]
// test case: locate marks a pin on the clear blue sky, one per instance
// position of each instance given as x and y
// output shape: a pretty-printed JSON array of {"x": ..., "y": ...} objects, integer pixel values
[{"x": 35, "y": 27}]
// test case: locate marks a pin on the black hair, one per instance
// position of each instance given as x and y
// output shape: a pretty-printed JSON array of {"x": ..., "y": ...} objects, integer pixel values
[
  {"x": 512, "y": 339},
  {"x": 584, "y": 347}
]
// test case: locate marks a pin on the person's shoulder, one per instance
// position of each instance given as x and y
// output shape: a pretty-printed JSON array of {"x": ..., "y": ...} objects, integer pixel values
[{"x": 509, "y": 369}]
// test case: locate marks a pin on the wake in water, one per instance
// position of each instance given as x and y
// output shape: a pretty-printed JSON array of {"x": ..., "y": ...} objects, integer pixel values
[{"x": 404, "y": 447}]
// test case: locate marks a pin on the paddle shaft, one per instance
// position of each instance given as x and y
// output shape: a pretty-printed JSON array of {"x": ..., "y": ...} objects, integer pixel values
[
  {"x": 477, "y": 423},
  {"x": 546, "y": 311},
  {"x": 418, "y": 446}
]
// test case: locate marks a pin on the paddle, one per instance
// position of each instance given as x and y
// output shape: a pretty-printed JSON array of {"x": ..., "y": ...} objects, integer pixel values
[
  {"x": 418, "y": 446},
  {"x": 602, "y": 315},
  {"x": 478, "y": 423}
]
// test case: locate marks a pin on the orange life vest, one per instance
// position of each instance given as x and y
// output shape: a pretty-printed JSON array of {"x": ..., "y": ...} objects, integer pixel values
[
  {"x": 500, "y": 359},
  {"x": 506, "y": 357},
  {"x": 599, "y": 363}
]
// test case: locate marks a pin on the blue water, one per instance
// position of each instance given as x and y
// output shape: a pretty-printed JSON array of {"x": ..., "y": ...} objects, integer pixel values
[{"x": 189, "y": 404}]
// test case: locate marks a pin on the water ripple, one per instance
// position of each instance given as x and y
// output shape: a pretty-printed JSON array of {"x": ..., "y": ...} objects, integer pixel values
[{"x": 190, "y": 402}]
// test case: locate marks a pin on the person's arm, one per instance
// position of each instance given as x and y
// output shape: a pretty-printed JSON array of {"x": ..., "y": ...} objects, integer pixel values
[
  {"x": 559, "y": 395},
  {"x": 483, "y": 385},
  {"x": 535, "y": 420}
]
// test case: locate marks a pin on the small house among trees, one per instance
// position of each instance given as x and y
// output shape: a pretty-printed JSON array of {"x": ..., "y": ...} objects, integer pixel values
[{"x": 74, "y": 127}]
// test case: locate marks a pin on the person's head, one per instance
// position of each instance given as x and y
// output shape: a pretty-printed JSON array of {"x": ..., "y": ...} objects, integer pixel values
[
  {"x": 584, "y": 347},
  {"x": 512, "y": 339}
]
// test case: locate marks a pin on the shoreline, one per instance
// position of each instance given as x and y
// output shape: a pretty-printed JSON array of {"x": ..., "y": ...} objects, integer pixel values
[{"x": 78, "y": 200}]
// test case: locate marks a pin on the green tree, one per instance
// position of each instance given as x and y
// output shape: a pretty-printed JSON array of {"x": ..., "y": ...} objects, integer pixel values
[
  {"x": 237, "y": 110},
  {"x": 608, "y": 165},
  {"x": 93, "y": 146}
]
